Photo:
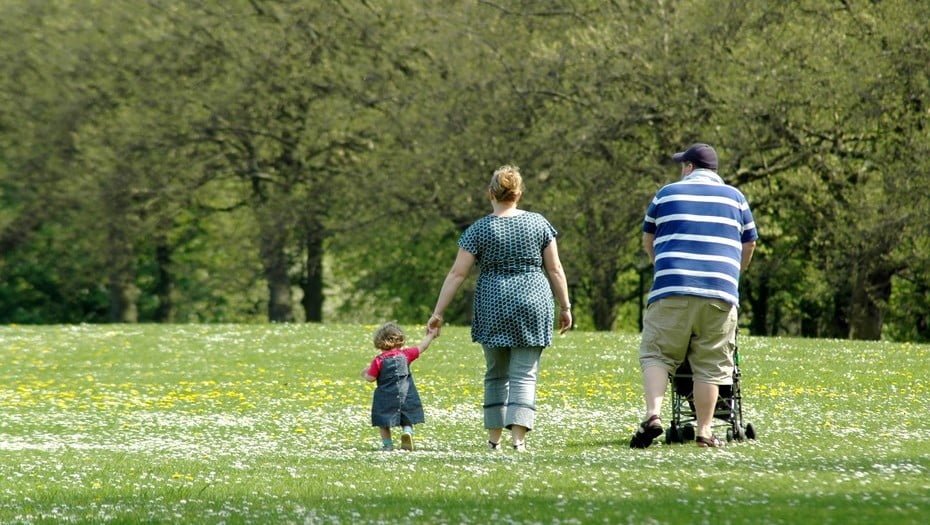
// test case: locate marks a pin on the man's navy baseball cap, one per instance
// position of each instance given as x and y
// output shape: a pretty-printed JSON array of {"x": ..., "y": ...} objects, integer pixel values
[{"x": 700, "y": 154}]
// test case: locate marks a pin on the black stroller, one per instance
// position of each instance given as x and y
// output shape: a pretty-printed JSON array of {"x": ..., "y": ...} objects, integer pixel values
[{"x": 728, "y": 412}]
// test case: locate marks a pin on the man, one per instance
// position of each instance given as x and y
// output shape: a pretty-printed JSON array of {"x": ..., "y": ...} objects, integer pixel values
[{"x": 699, "y": 234}]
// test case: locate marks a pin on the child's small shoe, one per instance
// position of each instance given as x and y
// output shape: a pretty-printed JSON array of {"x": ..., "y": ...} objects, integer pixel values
[
  {"x": 387, "y": 448},
  {"x": 519, "y": 447},
  {"x": 406, "y": 440},
  {"x": 494, "y": 447}
]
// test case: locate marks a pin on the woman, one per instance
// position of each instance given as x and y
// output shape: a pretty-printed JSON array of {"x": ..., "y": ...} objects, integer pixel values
[{"x": 519, "y": 271}]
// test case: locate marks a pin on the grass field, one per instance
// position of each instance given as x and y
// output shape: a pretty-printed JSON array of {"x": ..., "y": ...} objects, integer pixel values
[{"x": 269, "y": 424}]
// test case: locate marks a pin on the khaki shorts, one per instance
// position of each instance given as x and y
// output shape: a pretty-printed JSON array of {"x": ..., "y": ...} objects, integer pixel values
[{"x": 699, "y": 329}]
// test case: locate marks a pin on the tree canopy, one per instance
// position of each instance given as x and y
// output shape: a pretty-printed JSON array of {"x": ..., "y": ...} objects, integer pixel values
[{"x": 248, "y": 160}]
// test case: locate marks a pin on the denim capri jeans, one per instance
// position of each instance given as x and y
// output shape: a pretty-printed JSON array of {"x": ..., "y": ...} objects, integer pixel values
[{"x": 510, "y": 386}]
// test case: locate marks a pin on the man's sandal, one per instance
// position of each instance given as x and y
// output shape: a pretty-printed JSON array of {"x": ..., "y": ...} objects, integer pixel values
[
  {"x": 648, "y": 430},
  {"x": 711, "y": 442}
]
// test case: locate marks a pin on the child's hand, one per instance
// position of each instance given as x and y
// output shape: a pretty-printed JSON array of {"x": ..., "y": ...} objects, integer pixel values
[{"x": 431, "y": 333}]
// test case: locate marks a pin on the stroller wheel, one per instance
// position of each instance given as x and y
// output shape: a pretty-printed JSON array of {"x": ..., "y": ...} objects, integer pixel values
[
  {"x": 672, "y": 435},
  {"x": 686, "y": 434},
  {"x": 729, "y": 435},
  {"x": 750, "y": 431}
]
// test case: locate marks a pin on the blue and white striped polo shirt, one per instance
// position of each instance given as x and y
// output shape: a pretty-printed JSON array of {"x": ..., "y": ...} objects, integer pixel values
[{"x": 700, "y": 225}]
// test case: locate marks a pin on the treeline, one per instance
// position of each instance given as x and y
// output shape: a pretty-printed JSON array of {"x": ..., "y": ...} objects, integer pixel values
[{"x": 238, "y": 161}]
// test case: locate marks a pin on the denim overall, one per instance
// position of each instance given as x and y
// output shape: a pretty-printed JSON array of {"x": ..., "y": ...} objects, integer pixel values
[{"x": 396, "y": 401}]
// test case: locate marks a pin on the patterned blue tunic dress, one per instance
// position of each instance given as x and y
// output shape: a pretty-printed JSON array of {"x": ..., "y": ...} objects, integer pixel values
[{"x": 513, "y": 304}]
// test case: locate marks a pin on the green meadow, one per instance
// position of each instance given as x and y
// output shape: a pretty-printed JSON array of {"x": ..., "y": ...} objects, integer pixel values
[{"x": 270, "y": 424}]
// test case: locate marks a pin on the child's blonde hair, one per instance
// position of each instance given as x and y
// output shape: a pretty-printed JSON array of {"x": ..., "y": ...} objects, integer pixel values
[{"x": 389, "y": 337}]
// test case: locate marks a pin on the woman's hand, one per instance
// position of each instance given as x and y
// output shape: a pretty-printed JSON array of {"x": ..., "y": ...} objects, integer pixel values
[
  {"x": 565, "y": 320},
  {"x": 434, "y": 323}
]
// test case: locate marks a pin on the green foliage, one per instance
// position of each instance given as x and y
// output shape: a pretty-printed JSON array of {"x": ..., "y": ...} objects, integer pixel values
[
  {"x": 270, "y": 423},
  {"x": 232, "y": 161},
  {"x": 51, "y": 284}
]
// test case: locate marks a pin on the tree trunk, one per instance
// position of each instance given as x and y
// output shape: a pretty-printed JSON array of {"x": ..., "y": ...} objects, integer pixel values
[
  {"x": 604, "y": 300},
  {"x": 164, "y": 282},
  {"x": 758, "y": 292},
  {"x": 922, "y": 323},
  {"x": 312, "y": 282},
  {"x": 123, "y": 295},
  {"x": 810, "y": 326},
  {"x": 121, "y": 277},
  {"x": 775, "y": 320},
  {"x": 275, "y": 263},
  {"x": 839, "y": 325},
  {"x": 605, "y": 312},
  {"x": 869, "y": 299},
  {"x": 644, "y": 283}
]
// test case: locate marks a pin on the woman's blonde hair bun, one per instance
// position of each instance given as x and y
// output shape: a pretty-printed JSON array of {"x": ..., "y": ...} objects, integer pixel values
[{"x": 506, "y": 184}]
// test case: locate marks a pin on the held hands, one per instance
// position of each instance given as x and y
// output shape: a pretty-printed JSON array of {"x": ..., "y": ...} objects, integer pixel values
[{"x": 434, "y": 325}]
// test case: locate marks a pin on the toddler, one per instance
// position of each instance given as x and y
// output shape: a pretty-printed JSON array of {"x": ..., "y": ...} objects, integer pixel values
[{"x": 395, "y": 402}]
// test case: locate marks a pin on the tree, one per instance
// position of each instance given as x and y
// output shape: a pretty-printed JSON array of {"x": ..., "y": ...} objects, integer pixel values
[
  {"x": 291, "y": 113},
  {"x": 39, "y": 115},
  {"x": 817, "y": 110}
]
